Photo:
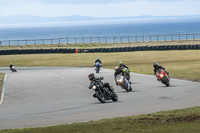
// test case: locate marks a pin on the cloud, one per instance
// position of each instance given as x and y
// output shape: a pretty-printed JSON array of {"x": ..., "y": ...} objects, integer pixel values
[{"x": 100, "y": 8}]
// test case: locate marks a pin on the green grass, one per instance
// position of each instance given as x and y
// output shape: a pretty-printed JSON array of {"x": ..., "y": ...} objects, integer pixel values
[
  {"x": 1, "y": 82},
  {"x": 96, "y": 45},
  {"x": 180, "y": 64},
  {"x": 175, "y": 121}
]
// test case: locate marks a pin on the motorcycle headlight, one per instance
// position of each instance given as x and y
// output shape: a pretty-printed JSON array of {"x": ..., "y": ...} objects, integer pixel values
[
  {"x": 161, "y": 75},
  {"x": 120, "y": 80},
  {"x": 94, "y": 87}
]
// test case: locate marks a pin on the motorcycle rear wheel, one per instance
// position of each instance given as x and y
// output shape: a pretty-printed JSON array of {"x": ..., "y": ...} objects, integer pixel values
[{"x": 114, "y": 96}]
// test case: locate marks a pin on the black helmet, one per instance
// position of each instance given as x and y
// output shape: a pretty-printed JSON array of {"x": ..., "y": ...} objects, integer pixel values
[
  {"x": 91, "y": 76},
  {"x": 155, "y": 64}
]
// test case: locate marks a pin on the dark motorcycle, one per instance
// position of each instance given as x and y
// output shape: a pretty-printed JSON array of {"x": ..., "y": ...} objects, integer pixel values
[
  {"x": 123, "y": 83},
  {"x": 103, "y": 93},
  {"x": 97, "y": 67},
  {"x": 13, "y": 69},
  {"x": 163, "y": 77}
]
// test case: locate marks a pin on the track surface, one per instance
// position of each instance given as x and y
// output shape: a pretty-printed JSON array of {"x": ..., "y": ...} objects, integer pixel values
[{"x": 49, "y": 96}]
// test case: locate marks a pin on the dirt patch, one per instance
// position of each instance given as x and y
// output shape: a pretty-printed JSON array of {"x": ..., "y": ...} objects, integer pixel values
[{"x": 190, "y": 118}]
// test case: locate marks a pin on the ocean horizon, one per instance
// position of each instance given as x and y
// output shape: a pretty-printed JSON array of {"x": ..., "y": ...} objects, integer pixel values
[{"x": 117, "y": 28}]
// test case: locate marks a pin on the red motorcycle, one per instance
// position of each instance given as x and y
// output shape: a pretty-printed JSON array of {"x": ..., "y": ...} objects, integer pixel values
[{"x": 163, "y": 77}]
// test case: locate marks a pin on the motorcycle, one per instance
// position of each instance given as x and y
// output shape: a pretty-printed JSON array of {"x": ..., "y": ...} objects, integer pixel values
[
  {"x": 103, "y": 93},
  {"x": 13, "y": 69},
  {"x": 163, "y": 77},
  {"x": 123, "y": 83},
  {"x": 97, "y": 67}
]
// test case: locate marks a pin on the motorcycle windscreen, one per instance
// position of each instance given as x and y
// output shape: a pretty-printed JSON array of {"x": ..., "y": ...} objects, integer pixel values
[{"x": 159, "y": 71}]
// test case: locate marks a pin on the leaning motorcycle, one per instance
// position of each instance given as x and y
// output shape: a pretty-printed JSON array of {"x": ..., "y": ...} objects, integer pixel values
[
  {"x": 13, "y": 69},
  {"x": 103, "y": 93},
  {"x": 163, "y": 77},
  {"x": 97, "y": 67},
  {"x": 123, "y": 83}
]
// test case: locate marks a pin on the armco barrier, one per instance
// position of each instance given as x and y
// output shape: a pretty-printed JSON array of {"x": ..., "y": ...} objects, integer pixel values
[{"x": 103, "y": 50}]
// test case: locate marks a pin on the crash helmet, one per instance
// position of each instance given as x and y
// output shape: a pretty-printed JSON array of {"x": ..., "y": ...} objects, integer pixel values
[
  {"x": 117, "y": 69},
  {"x": 98, "y": 58},
  {"x": 120, "y": 63},
  {"x": 91, "y": 76},
  {"x": 155, "y": 64}
]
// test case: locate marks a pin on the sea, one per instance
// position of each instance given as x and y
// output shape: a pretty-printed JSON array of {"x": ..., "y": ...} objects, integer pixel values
[{"x": 100, "y": 29}]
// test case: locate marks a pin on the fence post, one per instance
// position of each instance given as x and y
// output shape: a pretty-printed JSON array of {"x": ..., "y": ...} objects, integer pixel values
[
  {"x": 75, "y": 40},
  {"x": 136, "y": 38},
  {"x": 165, "y": 38},
  {"x": 58, "y": 41},
  {"x": 26, "y": 42},
  {"x": 150, "y": 38},
  {"x": 157, "y": 38},
  {"x": 99, "y": 39},
  {"x": 105, "y": 40},
  {"x": 193, "y": 37},
  {"x": 121, "y": 39},
  {"x": 9, "y": 43},
  {"x": 143, "y": 38},
  {"x": 43, "y": 41},
  {"x": 34, "y": 42},
  {"x": 83, "y": 40},
  {"x": 128, "y": 39},
  {"x": 186, "y": 37},
  {"x": 172, "y": 37},
  {"x": 90, "y": 40}
]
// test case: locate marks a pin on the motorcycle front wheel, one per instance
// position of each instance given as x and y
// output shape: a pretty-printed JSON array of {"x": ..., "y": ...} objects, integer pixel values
[
  {"x": 97, "y": 69},
  {"x": 100, "y": 97},
  {"x": 165, "y": 81}
]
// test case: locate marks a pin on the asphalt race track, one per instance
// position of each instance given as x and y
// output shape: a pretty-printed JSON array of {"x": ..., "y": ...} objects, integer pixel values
[{"x": 35, "y": 97}]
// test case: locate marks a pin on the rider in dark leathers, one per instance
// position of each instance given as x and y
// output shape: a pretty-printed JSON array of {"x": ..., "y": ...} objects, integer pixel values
[
  {"x": 119, "y": 70},
  {"x": 156, "y": 67},
  {"x": 97, "y": 60},
  {"x": 94, "y": 79},
  {"x": 122, "y": 66},
  {"x": 11, "y": 65}
]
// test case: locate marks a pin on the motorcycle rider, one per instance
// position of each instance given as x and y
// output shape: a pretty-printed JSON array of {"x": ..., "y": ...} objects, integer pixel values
[
  {"x": 11, "y": 65},
  {"x": 93, "y": 79},
  {"x": 156, "y": 67},
  {"x": 121, "y": 67},
  {"x": 119, "y": 70},
  {"x": 97, "y": 60}
]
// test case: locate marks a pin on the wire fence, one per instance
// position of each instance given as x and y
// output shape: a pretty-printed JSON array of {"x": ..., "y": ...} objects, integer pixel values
[{"x": 102, "y": 40}]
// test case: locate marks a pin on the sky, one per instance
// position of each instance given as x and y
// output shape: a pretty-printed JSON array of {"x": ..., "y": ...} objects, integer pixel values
[{"x": 99, "y": 8}]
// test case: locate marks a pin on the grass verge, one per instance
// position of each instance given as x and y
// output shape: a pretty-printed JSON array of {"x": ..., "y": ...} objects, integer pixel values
[
  {"x": 175, "y": 121},
  {"x": 1, "y": 82},
  {"x": 100, "y": 45},
  {"x": 180, "y": 64}
]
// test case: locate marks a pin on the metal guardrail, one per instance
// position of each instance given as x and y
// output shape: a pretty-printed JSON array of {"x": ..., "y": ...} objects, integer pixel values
[{"x": 102, "y": 40}]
